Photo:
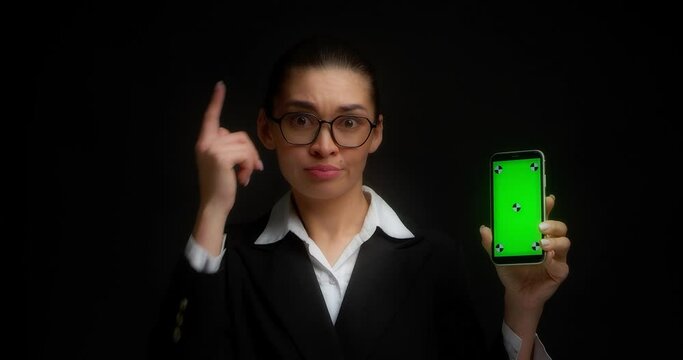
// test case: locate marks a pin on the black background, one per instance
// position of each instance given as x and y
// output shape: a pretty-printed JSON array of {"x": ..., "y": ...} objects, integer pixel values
[{"x": 120, "y": 89}]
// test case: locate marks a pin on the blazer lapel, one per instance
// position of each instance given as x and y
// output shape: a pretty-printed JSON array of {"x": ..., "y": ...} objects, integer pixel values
[
  {"x": 381, "y": 278},
  {"x": 284, "y": 273}
]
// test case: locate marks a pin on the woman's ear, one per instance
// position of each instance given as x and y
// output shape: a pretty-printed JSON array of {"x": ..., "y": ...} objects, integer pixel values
[
  {"x": 376, "y": 136},
  {"x": 263, "y": 130}
]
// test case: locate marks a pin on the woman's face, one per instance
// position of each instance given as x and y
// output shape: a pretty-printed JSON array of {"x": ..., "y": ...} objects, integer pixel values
[{"x": 322, "y": 169}]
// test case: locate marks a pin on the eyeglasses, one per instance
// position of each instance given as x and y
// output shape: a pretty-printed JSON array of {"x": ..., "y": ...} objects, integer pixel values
[{"x": 300, "y": 128}]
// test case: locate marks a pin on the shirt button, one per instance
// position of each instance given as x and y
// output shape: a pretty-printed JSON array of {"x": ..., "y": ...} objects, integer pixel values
[{"x": 333, "y": 281}]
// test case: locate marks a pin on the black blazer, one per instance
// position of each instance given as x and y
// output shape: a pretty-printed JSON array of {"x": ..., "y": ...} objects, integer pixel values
[{"x": 407, "y": 299}]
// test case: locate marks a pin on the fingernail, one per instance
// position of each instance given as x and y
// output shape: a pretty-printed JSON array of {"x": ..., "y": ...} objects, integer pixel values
[
  {"x": 247, "y": 182},
  {"x": 552, "y": 196},
  {"x": 545, "y": 242},
  {"x": 544, "y": 226},
  {"x": 259, "y": 165},
  {"x": 482, "y": 227}
]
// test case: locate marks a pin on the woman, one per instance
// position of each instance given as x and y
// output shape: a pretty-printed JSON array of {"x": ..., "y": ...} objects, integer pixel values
[{"x": 331, "y": 272}]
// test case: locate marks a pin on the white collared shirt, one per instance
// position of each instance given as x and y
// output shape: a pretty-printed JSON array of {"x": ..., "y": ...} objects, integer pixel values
[{"x": 333, "y": 280}]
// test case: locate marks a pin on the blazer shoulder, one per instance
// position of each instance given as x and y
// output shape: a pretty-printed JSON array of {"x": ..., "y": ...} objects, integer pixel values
[
  {"x": 246, "y": 231},
  {"x": 439, "y": 239},
  {"x": 450, "y": 251}
]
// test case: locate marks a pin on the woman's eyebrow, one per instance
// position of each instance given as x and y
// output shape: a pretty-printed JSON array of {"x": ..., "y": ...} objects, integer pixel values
[
  {"x": 351, "y": 107},
  {"x": 300, "y": 104},
  {"x": 310, "y": 106}
]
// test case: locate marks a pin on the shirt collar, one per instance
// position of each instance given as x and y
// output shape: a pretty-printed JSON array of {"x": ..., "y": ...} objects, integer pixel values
[{"x": 283, "y": 219}]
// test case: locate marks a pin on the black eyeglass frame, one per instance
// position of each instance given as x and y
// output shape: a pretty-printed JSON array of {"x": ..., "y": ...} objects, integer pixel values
[{"x": 278, "y": 121}]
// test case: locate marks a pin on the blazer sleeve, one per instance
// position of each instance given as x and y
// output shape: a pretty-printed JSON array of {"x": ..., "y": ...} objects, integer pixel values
[
  {"x": 193, "y": 322},
  {"x": 462, "y": 275},
  {"x": 198, "y": 313}
]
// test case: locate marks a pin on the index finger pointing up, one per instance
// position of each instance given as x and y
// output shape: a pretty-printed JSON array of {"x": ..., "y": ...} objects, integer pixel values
[{"x": 212, "y": 116}]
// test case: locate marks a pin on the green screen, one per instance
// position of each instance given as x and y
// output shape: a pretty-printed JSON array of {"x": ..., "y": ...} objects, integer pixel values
[{"x": 517, "y": 207}]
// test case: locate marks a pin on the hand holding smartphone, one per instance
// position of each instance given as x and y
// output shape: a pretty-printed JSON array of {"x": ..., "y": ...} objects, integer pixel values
[{"x": 517, "y": 180}]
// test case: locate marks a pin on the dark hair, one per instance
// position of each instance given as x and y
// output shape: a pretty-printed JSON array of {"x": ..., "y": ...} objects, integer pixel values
[{"x": 319, "y": 52}]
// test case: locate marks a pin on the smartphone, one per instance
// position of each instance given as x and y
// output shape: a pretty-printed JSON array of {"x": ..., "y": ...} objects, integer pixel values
[{"x": 517, "y": 206}]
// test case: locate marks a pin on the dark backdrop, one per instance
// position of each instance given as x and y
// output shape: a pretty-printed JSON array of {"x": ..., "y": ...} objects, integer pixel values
[{"x": 120, "y": 90}]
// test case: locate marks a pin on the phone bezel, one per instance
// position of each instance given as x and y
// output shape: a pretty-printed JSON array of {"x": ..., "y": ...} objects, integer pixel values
[{"x": 516, "y": 155}]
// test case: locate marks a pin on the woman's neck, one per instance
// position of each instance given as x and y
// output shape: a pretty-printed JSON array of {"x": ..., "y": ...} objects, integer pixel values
[{"x": 332, "y": 223}]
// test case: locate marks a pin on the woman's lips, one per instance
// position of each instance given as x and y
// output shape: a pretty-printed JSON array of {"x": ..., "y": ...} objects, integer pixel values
[{"x": 323, "y": 172}]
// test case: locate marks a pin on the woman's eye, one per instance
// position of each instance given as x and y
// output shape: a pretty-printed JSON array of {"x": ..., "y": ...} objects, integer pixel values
[
  {"x": 349, "y": 122},
  {"x": 301, "y": 120}
]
